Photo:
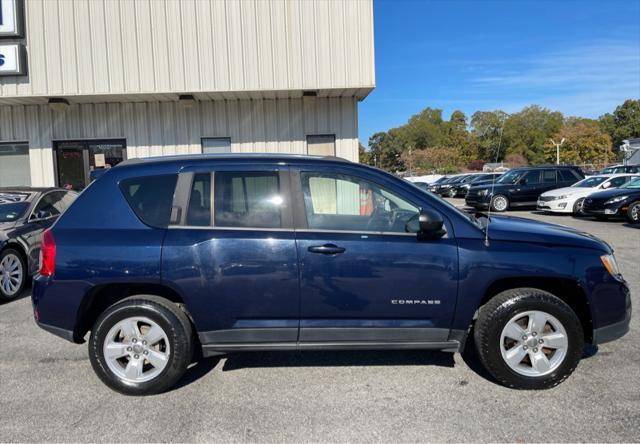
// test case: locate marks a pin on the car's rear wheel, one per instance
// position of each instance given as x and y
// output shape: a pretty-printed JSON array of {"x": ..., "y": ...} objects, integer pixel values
[
  {"x": 528, "y": 339},
  {"x": 141, "y": 345},
  {"x": 13, "y": 274},
  {"x": 578, "y": 207},
  {"x": 499, "y": 203},
  {"x": 633, "y": 213}
]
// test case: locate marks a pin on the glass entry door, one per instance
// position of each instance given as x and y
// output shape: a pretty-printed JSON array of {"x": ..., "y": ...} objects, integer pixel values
[{"x": 78, "y": 158}]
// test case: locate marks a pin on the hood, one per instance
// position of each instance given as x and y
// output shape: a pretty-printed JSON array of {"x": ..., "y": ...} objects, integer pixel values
[
  {"x": 571, "y": 191},
  {"x": 517, "y": 229},
  {"x": 608, "y": 194}
]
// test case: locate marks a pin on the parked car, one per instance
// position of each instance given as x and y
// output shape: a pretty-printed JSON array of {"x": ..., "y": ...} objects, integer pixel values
[
  {"x": 618, "y": 202},
  {"x": 424, "y": 186},
  {"x": 24, "y": 214},
  {"x": 619, "y": 169},
  {"x": 571, "y": 199},
  {"x": 447, "y": 188},
  {"x": 520, "y": 187},
  {"x": 462, "y": 189},
  {"x": 434, "y": 186},
  {"x": 271, "y": 252}
]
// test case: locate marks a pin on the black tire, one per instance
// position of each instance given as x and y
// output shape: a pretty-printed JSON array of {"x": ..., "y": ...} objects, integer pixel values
[
  {"x": 495, "y": 315},
  {"x": 578, "y": 208},
  {"x": 633, "y": 213},
  {"x": 175, "y": 324},
  {"x": 500, "y": 208},
  {"x": 6, "y": 296}
]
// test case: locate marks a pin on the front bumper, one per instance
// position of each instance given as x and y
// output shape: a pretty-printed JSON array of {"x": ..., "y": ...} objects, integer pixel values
[
  {"x": 555, "y": 206},
  {"x": 616, "y": 209},
  {"x": 615, "y": 330}
]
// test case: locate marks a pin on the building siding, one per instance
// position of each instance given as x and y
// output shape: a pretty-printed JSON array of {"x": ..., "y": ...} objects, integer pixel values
[
  {"x": 166, "y": 128},
  {"x": 93, "y": 47}
]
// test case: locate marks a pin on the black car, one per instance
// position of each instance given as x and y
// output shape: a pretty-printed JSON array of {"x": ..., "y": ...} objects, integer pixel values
[
  {"x": 24, "y": 214},
  {"x": 520, "y": 187},
  {"x": 424, "y": 186},
  {"x": 462, "y": 189},
  {"x": 621, "y": 169},
  {"x": 616, "y": 202},
  {"x": 435, "y": 185},
  {"x": 446, "y": 188}
]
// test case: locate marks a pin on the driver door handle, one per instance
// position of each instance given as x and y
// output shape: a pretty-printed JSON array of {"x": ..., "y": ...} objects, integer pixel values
[{"x": 326, "y": 249}]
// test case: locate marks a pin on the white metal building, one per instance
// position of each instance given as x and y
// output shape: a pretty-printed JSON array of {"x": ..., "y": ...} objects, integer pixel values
[{"x": 87, "y": 83}]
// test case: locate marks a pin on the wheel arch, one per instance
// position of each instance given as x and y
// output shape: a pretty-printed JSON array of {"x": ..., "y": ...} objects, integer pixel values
[
  {"x": 103, "y": 296},
  {"x": 566, "y": 289},
  {"x": 21, "y": 251}
]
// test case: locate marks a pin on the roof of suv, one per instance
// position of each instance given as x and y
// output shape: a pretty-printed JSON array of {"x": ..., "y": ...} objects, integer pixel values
[{"x": 230, "y": 156}]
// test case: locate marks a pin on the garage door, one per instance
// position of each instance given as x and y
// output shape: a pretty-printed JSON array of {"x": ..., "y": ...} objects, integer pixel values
[{"x": 14, "y": 165}]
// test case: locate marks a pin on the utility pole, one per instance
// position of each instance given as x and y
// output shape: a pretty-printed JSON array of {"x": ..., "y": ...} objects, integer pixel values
[{"x": 558, "y": 145}]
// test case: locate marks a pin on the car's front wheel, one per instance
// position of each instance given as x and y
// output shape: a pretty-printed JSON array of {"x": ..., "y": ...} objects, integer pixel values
[
  {"x": 528, "y": 338},
  {"x": 141, "y": 345},
  {"x": 499, "y": 203},
  {"x": 578, "y": 207},
  {"x": 633, "y": 213},
  {"x": 13, "y": 274}
]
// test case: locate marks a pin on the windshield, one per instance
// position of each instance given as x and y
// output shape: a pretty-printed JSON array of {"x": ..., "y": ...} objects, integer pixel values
[
  {"x": 12, "y": 211},
  {"x": 442, "y": 179},
  {"x": 510, "y": 177},
  {"x": 590, "y": 182},
  {"x": 634, "y": 184}
]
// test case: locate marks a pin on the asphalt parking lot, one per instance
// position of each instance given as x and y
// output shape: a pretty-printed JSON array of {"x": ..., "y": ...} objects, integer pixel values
[{"x": 48, "y": 391}]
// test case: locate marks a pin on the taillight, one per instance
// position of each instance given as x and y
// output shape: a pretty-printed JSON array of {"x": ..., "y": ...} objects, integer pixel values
[{"x": 48, "y": 254}]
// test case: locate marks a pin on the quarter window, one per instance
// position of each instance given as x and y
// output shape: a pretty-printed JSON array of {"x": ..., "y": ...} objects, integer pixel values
[
  {"x": 346, "y": 203},
  {"x": 247, "y": 199},
  {"x": 54, "y": 203},
  {"x": 151, "y": 197}
]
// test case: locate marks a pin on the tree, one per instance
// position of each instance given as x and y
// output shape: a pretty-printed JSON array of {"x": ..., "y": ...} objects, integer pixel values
[
  {"x": 438, "y": 159},
  {"x": 486, "y": 127},
  {"x": 528, "y": 131},
  {"x": 623, "y": 124},
  {"x": 385, "y": 149},
  {"x": 585, "y": 142},
  {"x": 457, "y": 136},
  {"x": 363, "y": 155}
]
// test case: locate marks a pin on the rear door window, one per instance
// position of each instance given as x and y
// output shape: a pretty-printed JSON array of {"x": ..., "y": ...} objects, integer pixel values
[
  {"x": 549, "y": 176},
  {"x": 199, "y": 210},
  {"x": 247, "y": 199},
  {"x": 150, "y": 197}
]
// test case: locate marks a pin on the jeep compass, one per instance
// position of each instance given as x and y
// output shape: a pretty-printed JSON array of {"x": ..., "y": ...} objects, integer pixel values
[{"x": 161, "y": 258}]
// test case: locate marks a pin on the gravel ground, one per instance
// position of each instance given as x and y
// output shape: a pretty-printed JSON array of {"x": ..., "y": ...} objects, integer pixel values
[{"x": 48, "y": 391}]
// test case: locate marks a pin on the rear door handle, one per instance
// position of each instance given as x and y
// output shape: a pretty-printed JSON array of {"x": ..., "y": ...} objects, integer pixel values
[{"x": 326, "y": 249}]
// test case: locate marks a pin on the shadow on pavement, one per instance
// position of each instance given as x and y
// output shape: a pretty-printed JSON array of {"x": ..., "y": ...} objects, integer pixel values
[
  {"x": 26, "y": 292},
  {"x": 197, "y": 371},
  {"x": 338, "y": 359}
]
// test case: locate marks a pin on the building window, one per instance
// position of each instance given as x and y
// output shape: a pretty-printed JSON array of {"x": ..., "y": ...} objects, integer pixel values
[
  {"x": 14, "y": 164},
  {"x": 321, "y": 145},
  {"x": 216, "y": 145}
]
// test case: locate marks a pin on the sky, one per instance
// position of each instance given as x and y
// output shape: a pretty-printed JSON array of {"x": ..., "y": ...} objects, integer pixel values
[{"x": 580, "y": 57}]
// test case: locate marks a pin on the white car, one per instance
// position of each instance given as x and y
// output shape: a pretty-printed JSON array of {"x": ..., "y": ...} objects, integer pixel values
[{"x": 570, "y": 199}]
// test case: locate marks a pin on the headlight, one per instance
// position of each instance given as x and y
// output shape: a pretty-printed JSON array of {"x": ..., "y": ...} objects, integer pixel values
[
  {"x": 467, "y": 186},
  {"x": 609, "y": 261},
  {"x": 561, "y": 197},
  {"x": 483, "y": 192},
  {"x": 615, "y": 200},
  {"x": 445, "y": 186}
]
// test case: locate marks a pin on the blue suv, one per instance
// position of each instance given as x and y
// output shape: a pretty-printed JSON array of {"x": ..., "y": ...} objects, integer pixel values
[{"x": 161, "y": 259}]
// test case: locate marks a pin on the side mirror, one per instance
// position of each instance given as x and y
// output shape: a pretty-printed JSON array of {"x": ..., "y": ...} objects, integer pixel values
[
  {"x": 606, "y": 185},
  {"x": 41, "y": 215},
  {"x": 522, "y": 181},
  {"x": 430, "y": 225}
]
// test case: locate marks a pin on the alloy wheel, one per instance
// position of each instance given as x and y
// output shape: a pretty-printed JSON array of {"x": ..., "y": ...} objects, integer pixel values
[
  {"x": 500, "y": 203},
  {"x": 11, "y": 274},
  {"x": 136, "y": 349},
  {"x": 533, "y": 343}
]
